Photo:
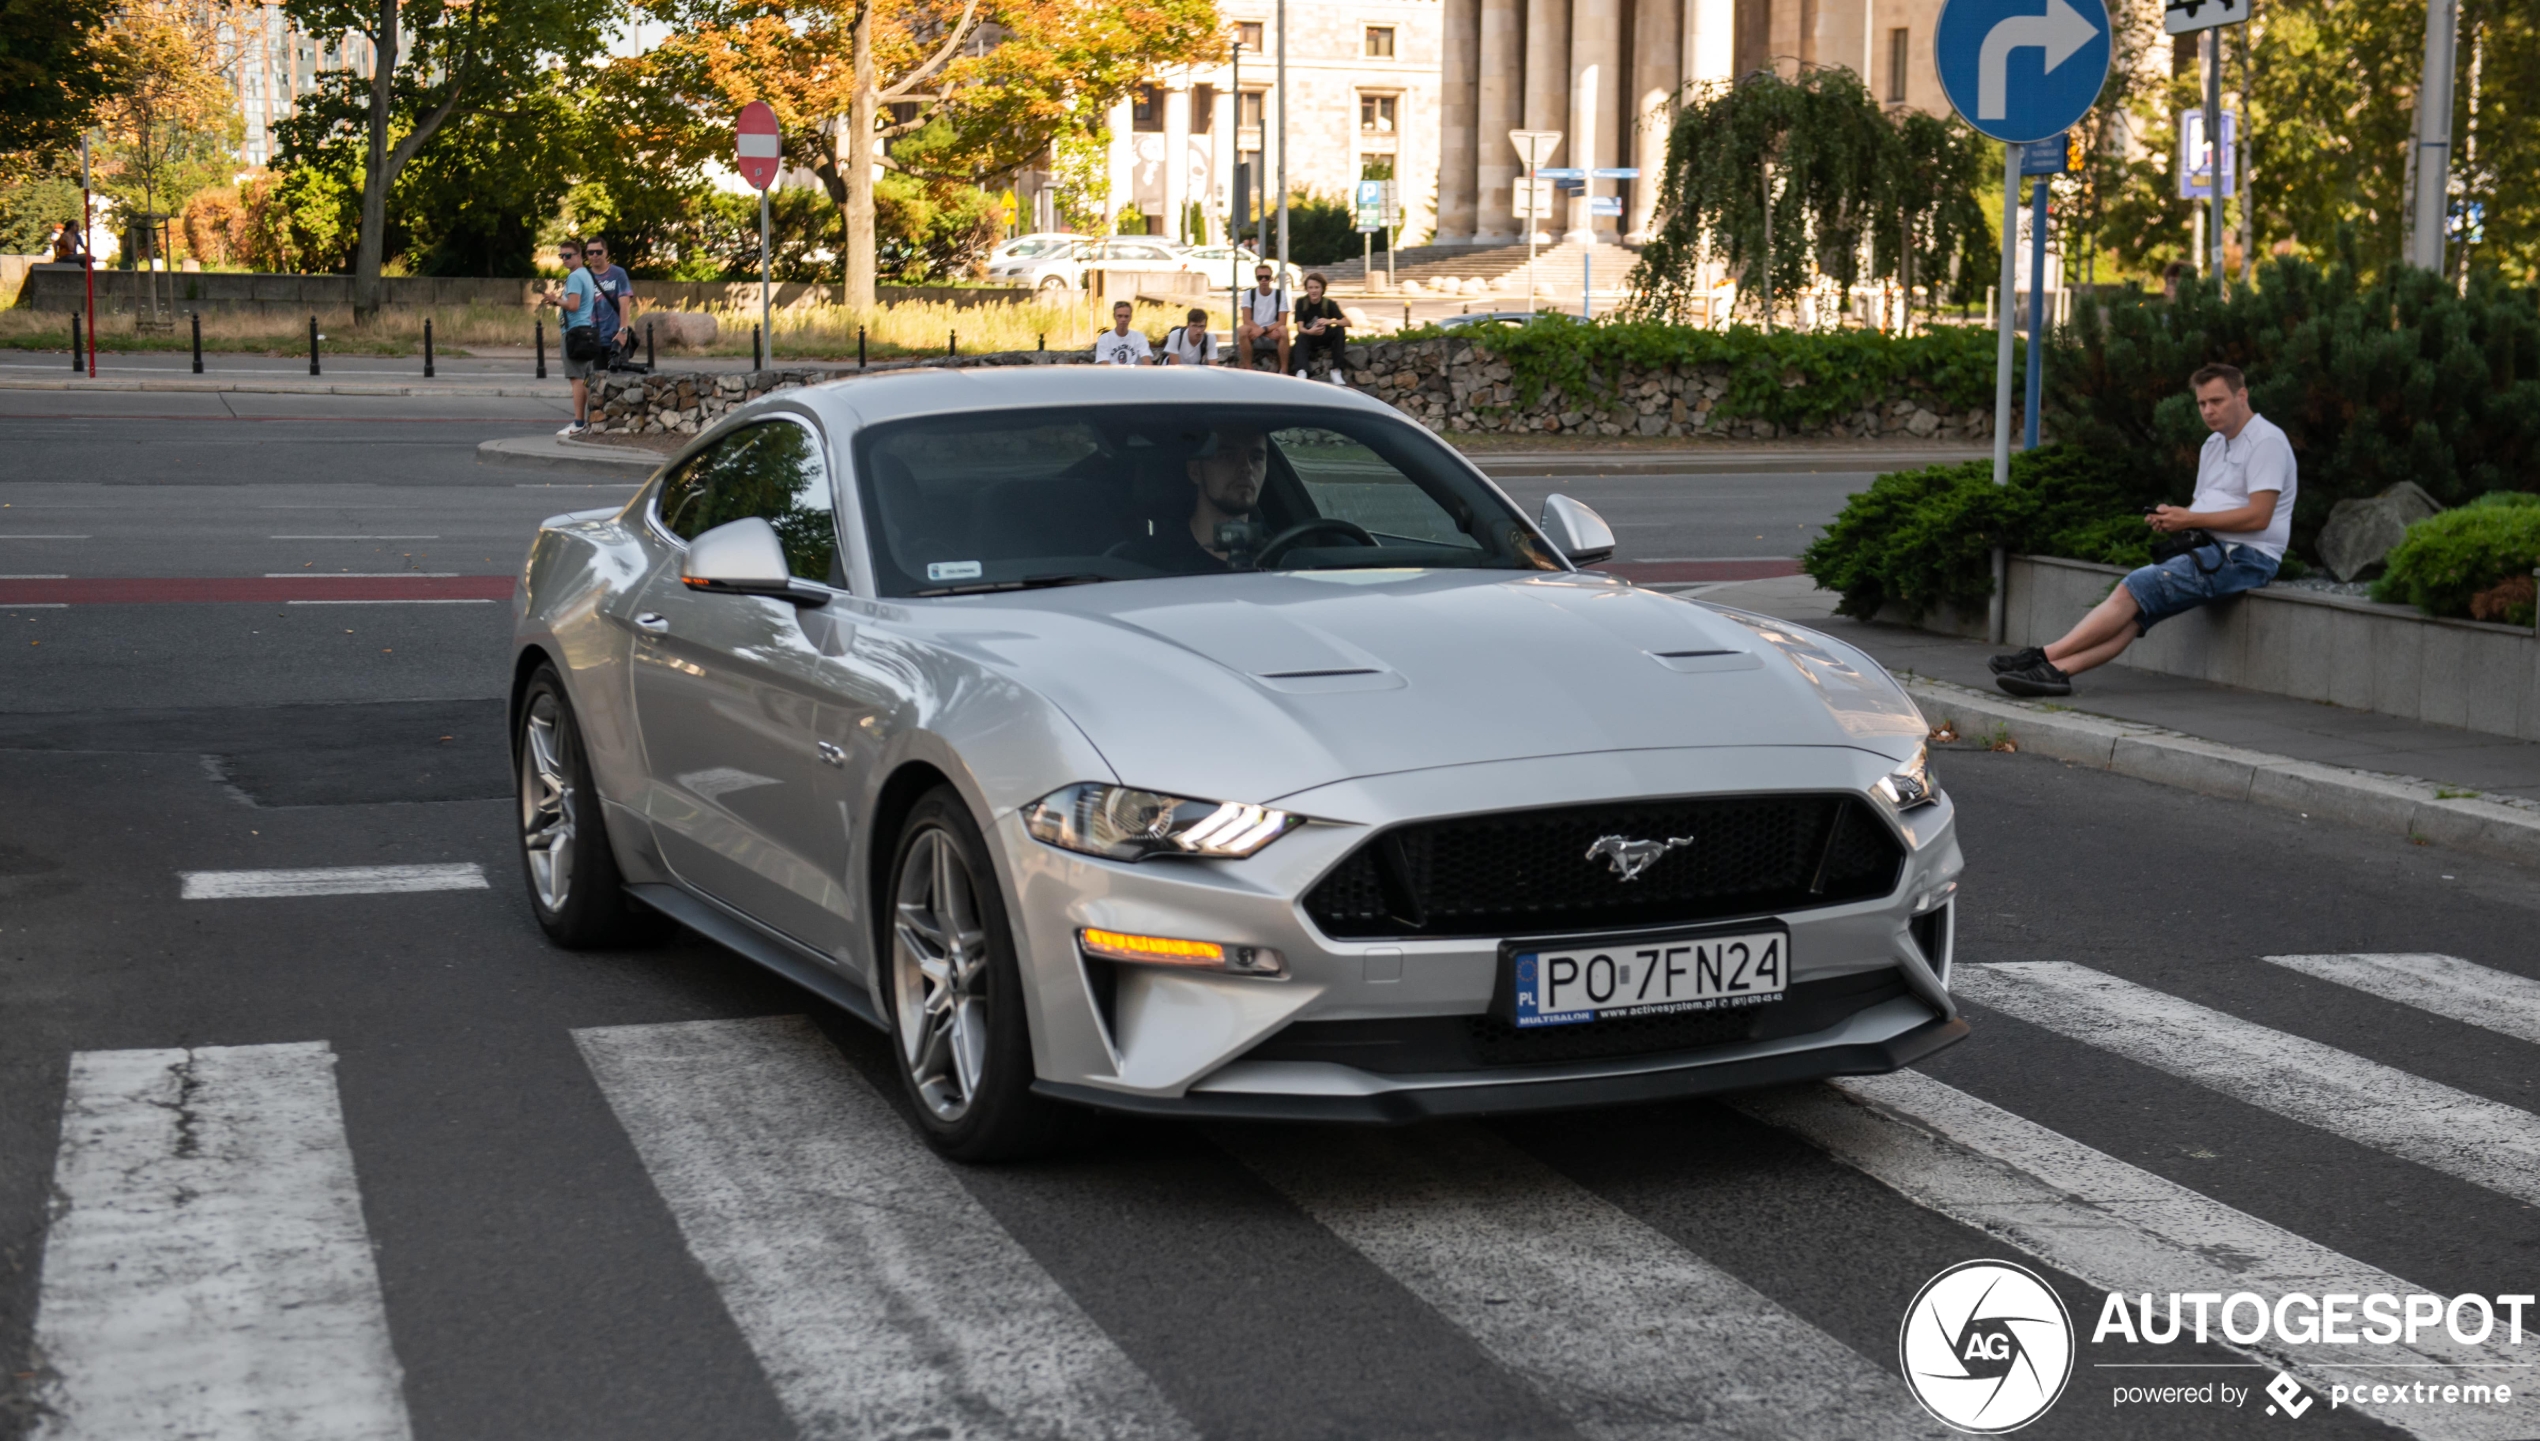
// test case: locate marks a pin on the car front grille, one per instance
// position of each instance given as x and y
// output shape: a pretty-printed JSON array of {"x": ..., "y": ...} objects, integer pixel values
[{"x": 1538, "y": 872}]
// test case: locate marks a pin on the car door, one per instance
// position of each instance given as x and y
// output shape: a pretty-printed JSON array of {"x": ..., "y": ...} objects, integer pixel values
[{"x": 742, "y": 791}]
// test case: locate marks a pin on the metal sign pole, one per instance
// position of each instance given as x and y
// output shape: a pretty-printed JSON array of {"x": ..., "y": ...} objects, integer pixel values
[
  {"x": 2214, "y": 150},
  {"x": 1995, "y": 616},
  {"x": 764, "y": 327},
  {"x": 87, "y": 257},
  {"x": 2036, "y": 308},
  {"x": 1281, "y": 84}
]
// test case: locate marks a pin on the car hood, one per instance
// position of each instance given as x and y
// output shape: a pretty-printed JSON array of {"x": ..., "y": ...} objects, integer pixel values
[{"x": 1252, "y": 687}]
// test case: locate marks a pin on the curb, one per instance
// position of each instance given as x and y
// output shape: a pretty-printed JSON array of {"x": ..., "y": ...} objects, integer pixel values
[
  {"x": 554, "y": 453},
  {"x": 541, "y": 390},
  {"x": 2403, "y": 805},
  {"x": 1572, "y": 465}
]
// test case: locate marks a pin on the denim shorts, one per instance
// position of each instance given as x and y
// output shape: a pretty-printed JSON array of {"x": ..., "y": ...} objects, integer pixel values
[{"x": 2179, "y": 584}]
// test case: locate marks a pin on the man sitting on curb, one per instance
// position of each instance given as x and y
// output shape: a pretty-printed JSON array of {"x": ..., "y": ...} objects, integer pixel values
[{"x": 2245, "y": 486}]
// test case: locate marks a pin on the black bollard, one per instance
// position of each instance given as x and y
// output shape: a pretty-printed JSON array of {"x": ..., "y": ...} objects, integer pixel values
[
  {"x": 198, "y": 342},
  {"x": 75, "y": 342},
  {"x": 542, "y": 350},
  {"x": 758, "y": 358},
  {"x": 1041, "y": 341},
  {"x": 427, "y": 347},
  {"x": 859, "y": 346},
  {"x": 313, "y": 353},
  {"x": 648, "y": 345},
  {"x": 952, "y": 344}
]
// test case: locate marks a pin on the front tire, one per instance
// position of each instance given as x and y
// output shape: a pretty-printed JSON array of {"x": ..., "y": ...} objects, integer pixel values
[
  {"x": 958, "y": 1029},
  {"x": 574, "y": 885}
]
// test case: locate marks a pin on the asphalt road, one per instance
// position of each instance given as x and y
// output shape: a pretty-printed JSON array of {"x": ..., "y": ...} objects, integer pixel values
[{"x": 552, "y": 1256}]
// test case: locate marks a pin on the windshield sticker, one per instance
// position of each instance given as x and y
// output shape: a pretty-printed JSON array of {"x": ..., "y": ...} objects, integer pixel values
[{"x": 952, "y": 570}]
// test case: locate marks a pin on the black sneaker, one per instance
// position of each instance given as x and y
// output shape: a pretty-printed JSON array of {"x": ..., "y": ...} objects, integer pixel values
[
  {"x": 2040, "y": 679},
  {"x": 2016, "y": 660}
]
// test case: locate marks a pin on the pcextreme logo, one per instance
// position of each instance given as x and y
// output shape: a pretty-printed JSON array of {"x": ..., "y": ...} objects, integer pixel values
[{"x": 1986, "y": 1347}]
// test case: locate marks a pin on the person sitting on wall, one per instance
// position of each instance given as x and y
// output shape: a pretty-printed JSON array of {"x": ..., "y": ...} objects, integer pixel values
[
  {"x": 1190, "y": 343},
  {"x": 2245, "y": 486},
  {"x": 1120, "y": 345},
  {"x": 1262, "y": 319},
  {"x": 1321, "y": 329}
]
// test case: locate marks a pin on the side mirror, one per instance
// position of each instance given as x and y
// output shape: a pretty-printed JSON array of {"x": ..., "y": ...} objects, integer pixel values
[
  {"x": 744, "y": 557},
  {"x": 1580, "y": 533}
]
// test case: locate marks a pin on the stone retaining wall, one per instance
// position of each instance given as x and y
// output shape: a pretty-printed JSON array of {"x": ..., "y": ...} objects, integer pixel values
[
  {"x": 59, "y": 288},
  {"x": 1445, "y": 384}
]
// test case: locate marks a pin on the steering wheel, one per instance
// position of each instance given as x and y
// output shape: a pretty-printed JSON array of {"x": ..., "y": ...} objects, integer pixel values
[{"x": 1286, "y": 540}]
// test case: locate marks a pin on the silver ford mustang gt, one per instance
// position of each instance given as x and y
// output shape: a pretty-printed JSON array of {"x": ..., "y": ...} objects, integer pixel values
[{"x": 1212, "y": 744}]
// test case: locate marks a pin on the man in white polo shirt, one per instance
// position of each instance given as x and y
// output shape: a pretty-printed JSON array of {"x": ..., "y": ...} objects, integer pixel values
[
  {"x": 2245, "y": 486},
  {"x": 1262, "y": 317}
]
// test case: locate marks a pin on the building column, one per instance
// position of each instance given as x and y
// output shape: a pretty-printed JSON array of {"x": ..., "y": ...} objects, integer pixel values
[
  {"x": 1548, "y": 84},
  {"x": 1657, "y": 54},
  {"x": 1499, "y": 105},
  {"x": 1596, "y": 57},
  {"x": 1177, "y": 158},
  {"x": 1458, "y": 54},
  {"x": 1710, "y": 40}
]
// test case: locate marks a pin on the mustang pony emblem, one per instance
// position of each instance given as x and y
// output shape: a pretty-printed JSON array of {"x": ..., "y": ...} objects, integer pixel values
[{"x": 1629, "y": 857}]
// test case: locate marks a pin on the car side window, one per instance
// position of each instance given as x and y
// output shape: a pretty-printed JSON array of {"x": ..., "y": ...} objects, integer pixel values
[
  {"x": 771, "y": 470},
  {"x": 1348, "y": 481}
]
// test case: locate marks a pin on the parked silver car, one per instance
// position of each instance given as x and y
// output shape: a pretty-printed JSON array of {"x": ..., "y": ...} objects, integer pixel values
[{"x": 1209, "y": 744}]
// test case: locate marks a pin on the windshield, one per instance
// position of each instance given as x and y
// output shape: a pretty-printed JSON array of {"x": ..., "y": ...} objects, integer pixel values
[{"x": 994, "y": 500}]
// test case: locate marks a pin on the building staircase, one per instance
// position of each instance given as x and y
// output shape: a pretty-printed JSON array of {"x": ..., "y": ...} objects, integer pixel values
[{"x": 1559, "y": 267}]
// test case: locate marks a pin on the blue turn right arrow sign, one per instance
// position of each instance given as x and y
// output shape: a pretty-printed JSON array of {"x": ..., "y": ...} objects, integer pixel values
[{"x": 2021, "y": 70}]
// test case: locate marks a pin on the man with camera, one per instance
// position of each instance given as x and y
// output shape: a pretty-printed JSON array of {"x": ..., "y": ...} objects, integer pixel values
[{"x": 2229, "y": 538}]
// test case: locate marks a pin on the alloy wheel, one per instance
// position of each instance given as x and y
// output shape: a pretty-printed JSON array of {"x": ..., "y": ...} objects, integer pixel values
[
  {"x": 547, "y": 801},
  {"x": 940, "y": 973}
]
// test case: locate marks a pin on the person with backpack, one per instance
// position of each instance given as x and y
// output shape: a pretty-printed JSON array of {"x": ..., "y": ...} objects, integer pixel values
[
  {"x": 580, "y": 302},
  {"x": 1263, "y": 317}
]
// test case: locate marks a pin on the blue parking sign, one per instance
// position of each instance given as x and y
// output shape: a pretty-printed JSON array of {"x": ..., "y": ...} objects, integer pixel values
[{"x": 2021, "y": 70}]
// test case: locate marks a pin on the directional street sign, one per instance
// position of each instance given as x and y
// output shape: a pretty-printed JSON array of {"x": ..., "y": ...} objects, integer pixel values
[
  {"x": 2050, "y": 156},
  {"x": 2185, "y": 17},
  {"x": 1615, "y": 172},
  {"x": 1560, "y": 172},
  {"x": 1605, "y": 205},
  {"x": 757, "y": 153},
  {"x": 2020, "y": 70}
]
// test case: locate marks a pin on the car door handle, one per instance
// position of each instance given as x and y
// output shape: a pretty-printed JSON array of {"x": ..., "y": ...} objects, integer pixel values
[
  {"x": 833, "y": 755},
  {"x": 653, "y": 623}
]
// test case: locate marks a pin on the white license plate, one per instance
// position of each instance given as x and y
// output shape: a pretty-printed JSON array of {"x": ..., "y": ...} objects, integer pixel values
[{"x": 1566, "y": 983}]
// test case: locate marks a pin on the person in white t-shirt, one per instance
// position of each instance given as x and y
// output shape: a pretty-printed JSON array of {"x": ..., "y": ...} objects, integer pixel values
[
  {"x": 2245, "y": 486},
  {"x": 1191, "y": 344},
  {"x": 1120, "y": 345},
  {"x": 1263, "y": 317}
]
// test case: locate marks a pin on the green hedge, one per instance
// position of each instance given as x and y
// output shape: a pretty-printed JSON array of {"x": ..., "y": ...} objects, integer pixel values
[
  {"x": 1924, "y": 538},
  {"x": 2449, "y": 558},
  {"x": 2396, "y": 378},
  {"x": 1790, "y": 378}
]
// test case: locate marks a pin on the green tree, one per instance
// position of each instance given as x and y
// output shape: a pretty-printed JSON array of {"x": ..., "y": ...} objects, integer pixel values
[
  {"x": 55, "y": 66},
  {"x": 437, "y": 61}
]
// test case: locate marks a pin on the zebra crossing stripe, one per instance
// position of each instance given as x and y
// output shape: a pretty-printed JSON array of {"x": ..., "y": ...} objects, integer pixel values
[
  {"x": 2121, "y": 1228},
  {"x": 329, "y": 881},
  {"x": 880, "y": 1298},
  {"x": 207, "y": 1274},
  {"x": 2486, "y": 1143},
  {"x": 2500, "y": 1001},
  {"x": 1627, "y": 1334}
]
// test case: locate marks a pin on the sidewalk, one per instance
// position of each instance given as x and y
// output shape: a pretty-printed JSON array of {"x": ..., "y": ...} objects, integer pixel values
[{"x": 2460, "y": 787}]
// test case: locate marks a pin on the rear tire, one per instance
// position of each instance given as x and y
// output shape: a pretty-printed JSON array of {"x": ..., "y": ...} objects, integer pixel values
[
  {"x": 575, "y": 889},
  {"x": 959, "y": 1035}
]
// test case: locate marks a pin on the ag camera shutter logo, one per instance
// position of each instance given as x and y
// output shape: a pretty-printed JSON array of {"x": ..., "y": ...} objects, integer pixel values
[{"x": 1986, "y": 1347}]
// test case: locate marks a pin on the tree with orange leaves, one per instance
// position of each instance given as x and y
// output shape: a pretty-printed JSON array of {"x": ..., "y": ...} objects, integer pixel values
[{"x": 1007, "y": 75}]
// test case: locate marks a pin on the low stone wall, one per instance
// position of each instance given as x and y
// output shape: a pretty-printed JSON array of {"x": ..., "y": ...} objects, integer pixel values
[
  {"x": 2307, "y": 644},
  {"x": 216, "y": 292},
  {"x": 1448, "y": 384},
  {"x": 1455, "y": 384},
  {"x": 685, "y": 402}
]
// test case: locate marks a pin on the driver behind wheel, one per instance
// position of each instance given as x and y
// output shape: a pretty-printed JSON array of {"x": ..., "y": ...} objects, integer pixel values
[{"x": 1226, "y": 472}]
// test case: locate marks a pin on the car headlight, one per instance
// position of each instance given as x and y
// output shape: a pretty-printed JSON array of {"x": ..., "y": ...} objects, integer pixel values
[
  {"x": 1910, "y": 784},
  {"x": 1121, "y": 824}
]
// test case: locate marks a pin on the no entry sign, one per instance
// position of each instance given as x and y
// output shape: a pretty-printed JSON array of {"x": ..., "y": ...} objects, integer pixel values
[{"x": 755, "y": 145}]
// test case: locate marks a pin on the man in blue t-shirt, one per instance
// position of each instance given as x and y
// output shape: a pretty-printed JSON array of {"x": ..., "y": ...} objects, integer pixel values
[
  {"x": 580, "y": 303},
  {"x": 617, "y": 297}
]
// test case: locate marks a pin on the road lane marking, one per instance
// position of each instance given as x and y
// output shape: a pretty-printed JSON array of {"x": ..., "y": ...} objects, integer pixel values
[
  {"x": 315, "y": 575},
  {"x": 2114, "y": 1225},
  {"x": 207, "y": 1273},
  {"x": 329, "y": 881},
  {"x": 35, "y": 605},
  {"x": 1630, "y": 1336},
  {"x": 49, "y": 537},
  {"x": 2483, "y": 996},
  {"x": 34, "y": 577},
  {"x": 880, "y": 1297},
  {"x": 352, "y": 537},
  {"x": 2486, "y": 1143},
  {"x": 412, "y": 600}
]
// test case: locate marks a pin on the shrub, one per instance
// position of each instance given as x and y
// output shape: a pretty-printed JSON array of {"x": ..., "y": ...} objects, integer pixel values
[
  {"x": 1921, "y": 539},
  {"x": 2449, "y": 560},
  {"x": 2399, "y": 378}
]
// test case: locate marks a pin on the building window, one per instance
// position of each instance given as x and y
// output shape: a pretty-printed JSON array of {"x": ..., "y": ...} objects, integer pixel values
[
  {"x": 1248, "y": 107},
  {"x": 1203, "y": 109},
  {"x": 1146, "y": 109},
  {"x": 1899, "y": 48},
  {"x": 1248, "y": 32},
  {"x": 1380, "y": 42},
  {"x": 1376, "y": 113}
]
